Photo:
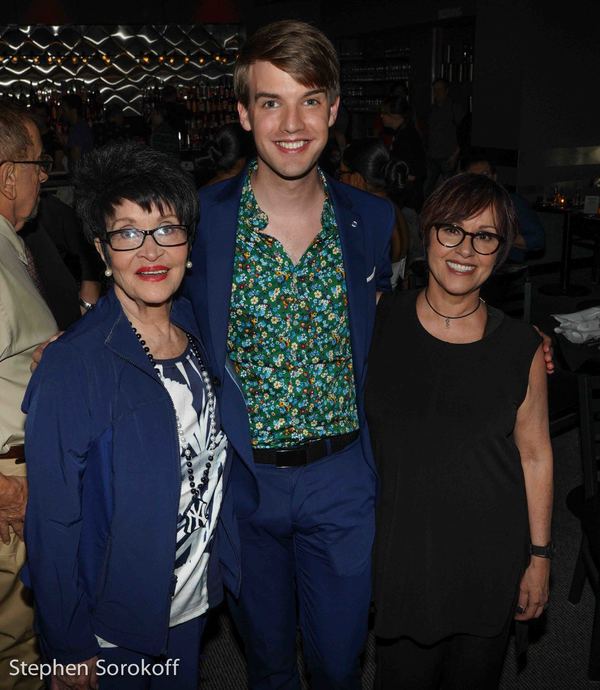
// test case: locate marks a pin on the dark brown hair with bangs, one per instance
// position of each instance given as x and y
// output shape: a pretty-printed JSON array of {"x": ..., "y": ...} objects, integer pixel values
[
  {"x": 295, "y": 47},
  {"x": 464, "y": 196}
]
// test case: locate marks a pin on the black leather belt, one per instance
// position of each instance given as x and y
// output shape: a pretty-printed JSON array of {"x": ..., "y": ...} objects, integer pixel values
[
  {"x": 308, "y": 452},
  {"x": 14, "y": 453}
]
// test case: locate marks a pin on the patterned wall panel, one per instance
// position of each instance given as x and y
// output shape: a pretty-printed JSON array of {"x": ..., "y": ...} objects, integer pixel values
[{"x": 120, "y": 64}]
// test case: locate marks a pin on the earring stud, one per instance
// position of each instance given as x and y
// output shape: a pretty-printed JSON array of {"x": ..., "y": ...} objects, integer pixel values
[
  {"x": 108, "y": 272},
  {"x": 188, "y": 264}
]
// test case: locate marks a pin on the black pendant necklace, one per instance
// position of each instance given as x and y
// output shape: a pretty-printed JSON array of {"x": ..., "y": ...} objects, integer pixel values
[
  {"x": 212, "y": 432},
  {"x": 452, "y": 318}
]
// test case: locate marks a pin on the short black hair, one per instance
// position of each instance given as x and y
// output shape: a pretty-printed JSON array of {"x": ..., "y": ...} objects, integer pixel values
[
  {"x": 230, "y": 143},
  {"x": 135, "y": 172},
  {"x": 370, "y": 158}
]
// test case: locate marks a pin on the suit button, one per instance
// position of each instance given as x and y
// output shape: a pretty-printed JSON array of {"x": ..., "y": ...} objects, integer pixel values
[{"x": 354, "y": 223}]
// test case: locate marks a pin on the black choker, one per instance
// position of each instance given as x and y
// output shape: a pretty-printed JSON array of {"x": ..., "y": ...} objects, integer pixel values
[{"x": 451, "y": 318}]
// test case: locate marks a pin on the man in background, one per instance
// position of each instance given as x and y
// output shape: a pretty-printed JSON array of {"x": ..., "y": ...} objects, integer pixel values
[
  {"x": 80, "y": 139},
  {"x": 26, "y": 322},
  {"x": 443, "y": 148}
]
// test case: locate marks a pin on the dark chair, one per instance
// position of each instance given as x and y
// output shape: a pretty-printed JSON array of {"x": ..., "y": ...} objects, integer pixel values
[
  {"x": 585, "y": 232},
  {"x": 563, "y": 403},
  {"x": 584, "y": 502}
]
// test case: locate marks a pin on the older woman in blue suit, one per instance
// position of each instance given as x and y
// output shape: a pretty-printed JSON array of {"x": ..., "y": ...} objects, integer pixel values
[{"x": 126, "y": 458}]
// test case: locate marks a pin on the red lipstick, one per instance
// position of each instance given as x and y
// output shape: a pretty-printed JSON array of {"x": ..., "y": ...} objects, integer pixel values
[{"x": 152, "y": 274}]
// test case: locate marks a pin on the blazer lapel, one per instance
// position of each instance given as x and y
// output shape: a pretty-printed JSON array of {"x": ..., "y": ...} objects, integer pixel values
[
  {"x": 352, "y": 239},
  {"x": 220, "y": 225}
]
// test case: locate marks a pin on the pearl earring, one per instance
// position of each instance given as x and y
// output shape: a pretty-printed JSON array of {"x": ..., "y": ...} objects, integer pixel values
[
  {"x": 188, "y": 264},
  {"x": 108, "y": 272}
]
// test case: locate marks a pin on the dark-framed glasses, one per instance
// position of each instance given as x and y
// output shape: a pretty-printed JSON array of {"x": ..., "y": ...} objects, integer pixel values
[
  {"x": 45, "y": 163},
  {"x": 483, "y": 242},
  {"x": 126, "y": 239}
]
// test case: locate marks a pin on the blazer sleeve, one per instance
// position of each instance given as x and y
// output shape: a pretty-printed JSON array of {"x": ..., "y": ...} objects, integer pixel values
[{"x": 57, "y": 433}]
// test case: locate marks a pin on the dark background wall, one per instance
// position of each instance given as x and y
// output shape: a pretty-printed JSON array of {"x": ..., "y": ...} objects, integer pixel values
[{"x": 536, "y": 66}]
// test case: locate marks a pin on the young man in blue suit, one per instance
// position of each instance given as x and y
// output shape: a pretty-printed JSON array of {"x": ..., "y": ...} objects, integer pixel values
[{"x": 287, "y": 267}]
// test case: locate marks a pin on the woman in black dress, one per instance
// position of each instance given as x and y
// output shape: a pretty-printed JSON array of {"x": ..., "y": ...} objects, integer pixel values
[{"x": 456, "y": 403}]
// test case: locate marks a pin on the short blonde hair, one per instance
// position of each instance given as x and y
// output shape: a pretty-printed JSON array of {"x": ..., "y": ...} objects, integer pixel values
[{"x": 298, "y": 48}]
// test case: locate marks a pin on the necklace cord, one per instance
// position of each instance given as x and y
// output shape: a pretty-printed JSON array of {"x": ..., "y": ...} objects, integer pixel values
[{"x": 451, "y": 318}]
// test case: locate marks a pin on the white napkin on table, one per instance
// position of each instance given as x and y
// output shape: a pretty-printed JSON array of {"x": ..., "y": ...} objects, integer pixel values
[{"x": 580, "y": 326}]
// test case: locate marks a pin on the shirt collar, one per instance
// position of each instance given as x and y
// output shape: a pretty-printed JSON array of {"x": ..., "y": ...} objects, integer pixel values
[
  {"x": 259, "y": 218},
  {"x": 8, "y": 231}
]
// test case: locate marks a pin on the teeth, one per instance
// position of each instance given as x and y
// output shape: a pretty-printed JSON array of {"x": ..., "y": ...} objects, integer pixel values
[
  {"x": 291, "y": 145},
  {"x": 152, "y": 273},
  {"x": 460, "y": 267}
]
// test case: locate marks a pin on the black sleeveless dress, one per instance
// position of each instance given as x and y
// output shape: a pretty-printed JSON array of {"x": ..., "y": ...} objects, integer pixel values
[{"x": 452, "y": 535}]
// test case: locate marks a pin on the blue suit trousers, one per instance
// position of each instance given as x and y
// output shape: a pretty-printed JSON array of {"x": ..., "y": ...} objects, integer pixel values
[{"x": 306, "y": 562}]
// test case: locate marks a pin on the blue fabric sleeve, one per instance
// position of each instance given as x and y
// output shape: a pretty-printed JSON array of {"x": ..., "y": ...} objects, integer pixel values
[{"x": 57, "y": 434}]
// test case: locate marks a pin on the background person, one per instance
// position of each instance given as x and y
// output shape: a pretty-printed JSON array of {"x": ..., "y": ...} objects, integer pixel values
[
  {"x": 366, "y": 164},
  {"x": 406, "y": 145},
  {"x": 128, "y": 460},
  {"x": 463, "y": 524},
  {"x": 228, "y": 152},
  {"x": 68, "y": 267},
  {"x": 26, "y": 322},
  {"x": 79, "y": 139},
  {"x": 443, "y": 150}
]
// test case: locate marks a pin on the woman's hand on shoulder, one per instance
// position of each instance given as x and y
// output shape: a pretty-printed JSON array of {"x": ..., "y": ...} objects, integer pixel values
[{"x": 534, "y": 589}]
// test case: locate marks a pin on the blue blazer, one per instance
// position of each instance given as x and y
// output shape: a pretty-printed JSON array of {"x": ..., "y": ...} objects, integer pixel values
[
  {"x": 365, "y": 225},
  {"x": 104, "y": 485}
]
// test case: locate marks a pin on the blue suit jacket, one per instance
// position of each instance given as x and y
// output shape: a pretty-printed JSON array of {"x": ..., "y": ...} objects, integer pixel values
[
  {"x": 364, "y": 223},
  {"x": 104, "y": 482}
]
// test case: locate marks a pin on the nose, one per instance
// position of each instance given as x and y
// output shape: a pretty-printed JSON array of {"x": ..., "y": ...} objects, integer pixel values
[
  {"x": 292, "y": 121},
  {"x": 465, "y": 248},
  {"x": 150, "y": 249}
]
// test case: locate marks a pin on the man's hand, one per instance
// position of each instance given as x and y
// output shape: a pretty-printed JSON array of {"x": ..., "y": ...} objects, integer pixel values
[
  {"x": 548, "y": 351},
  {"x": 81, "y": 681},
  {"x": 13, "y": 499},
  {"x": 36, "y": 358}
]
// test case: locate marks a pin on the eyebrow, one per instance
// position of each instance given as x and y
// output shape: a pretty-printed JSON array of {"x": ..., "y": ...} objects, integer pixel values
[
  {"x": 265, "y": 94},
  {"x": 133, "y": 221}
]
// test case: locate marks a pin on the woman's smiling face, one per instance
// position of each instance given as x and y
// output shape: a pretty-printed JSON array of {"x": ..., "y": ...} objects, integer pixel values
[{"x": 151, "y": 274}]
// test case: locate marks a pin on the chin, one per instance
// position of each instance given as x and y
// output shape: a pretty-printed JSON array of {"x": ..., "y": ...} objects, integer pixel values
[{"x": 290, "y": 169}]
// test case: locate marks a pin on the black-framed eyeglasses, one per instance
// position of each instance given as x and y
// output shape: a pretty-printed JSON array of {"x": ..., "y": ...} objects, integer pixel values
[
  {"x": 126, "y": 239},
  {"x": 45, "y": 162},
  {"x": 483, "y": 242}
]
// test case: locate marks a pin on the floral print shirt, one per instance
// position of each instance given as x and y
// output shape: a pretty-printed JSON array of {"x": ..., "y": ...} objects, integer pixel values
[{"x": 288, "y": 337}]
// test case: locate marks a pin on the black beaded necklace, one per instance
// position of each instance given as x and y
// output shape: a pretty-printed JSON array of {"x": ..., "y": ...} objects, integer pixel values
[{"x": 211, "y": 403}]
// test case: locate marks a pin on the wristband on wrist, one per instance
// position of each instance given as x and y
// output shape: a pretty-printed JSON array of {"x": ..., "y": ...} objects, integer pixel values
[{"x": 542, "y": 551}]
